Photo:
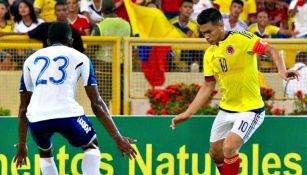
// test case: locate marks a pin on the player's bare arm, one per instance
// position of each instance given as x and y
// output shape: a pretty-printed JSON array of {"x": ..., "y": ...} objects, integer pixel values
[
  {"x": 22, "y": 152},
  {"x": 279, "y": 62},
  {"x": 102, "y": 113},
  {"x": 202, "y": 96}
]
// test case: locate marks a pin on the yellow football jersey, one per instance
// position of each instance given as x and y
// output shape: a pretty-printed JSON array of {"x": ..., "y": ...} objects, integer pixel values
[
  {"x": 268, "y": 31},
  {"x": 190, "y": 30},
  {"x": 8, "y": 28},
  {"x": 249, "y": 7},
  {"x": 233, "y": 63},
  {"x": 47, "y": 9}
]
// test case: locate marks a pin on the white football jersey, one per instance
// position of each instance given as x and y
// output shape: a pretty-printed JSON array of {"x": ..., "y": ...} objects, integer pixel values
[
  {"x": 51, "y": 74},
  {"x": 240, "y": 26},
  {"x": 21, "y": 27}
]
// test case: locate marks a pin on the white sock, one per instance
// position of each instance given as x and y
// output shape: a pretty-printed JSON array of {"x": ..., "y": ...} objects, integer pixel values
[
  {"x": 48, "y": 166},
  {"x": 91, "y": 162}
]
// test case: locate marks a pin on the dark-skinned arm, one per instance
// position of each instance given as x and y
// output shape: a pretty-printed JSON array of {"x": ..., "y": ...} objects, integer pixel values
[
  {"x": 21, "y": 156},
  {"x": 102, "y": 113}
]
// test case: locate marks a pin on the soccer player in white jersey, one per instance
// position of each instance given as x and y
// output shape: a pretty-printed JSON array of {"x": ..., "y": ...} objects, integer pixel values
[{"x": 48, "y": 105}]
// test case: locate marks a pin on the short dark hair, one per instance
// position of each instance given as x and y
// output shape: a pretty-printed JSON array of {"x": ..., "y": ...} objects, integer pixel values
[
  {"x": 237, "y": 2},
  {"x": 60, "y": 2},
  {"x": 108, "y": 6},
  {"x": 209, "y": 15},
  {"x": 59, "y": 32},
  {"x": 188, "y": 1}
]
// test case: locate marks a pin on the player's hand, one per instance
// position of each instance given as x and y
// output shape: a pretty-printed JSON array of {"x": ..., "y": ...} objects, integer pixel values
[
  {"x": 290, "y": 75},
  {"x": 123, "y": 144},
  {"x": 180, "y": 118},
  {"x": 21, "y": 156}
]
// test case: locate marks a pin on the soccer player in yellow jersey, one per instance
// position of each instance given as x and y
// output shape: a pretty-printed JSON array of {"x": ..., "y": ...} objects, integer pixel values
[{"x": 231, "y": 61}]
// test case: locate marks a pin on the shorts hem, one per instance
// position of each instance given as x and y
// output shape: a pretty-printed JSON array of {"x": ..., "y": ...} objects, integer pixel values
[
  {"x": 45, "y": 149},
  {"x": 92, "y": 139},
  {"x": 213, "y": 141},
  {"x": 244, "y": 140}
]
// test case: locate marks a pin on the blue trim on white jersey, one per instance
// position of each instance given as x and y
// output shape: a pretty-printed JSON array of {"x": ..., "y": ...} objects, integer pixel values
[
  {"x": 92, "y": 77},
  {"x": 22, "y": 87}
]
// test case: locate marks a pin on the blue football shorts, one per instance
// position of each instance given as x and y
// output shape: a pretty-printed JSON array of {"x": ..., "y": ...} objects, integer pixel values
[{"x": 77, "y": 130}]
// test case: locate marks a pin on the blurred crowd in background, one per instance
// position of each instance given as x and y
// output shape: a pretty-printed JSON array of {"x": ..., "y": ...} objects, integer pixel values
[{"x": 264, "y": 18}]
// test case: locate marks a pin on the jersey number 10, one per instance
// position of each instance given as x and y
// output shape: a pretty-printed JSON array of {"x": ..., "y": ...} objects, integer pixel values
[
  {"x": 223, "y": 64},
  {"x": 61, "y": 68}
]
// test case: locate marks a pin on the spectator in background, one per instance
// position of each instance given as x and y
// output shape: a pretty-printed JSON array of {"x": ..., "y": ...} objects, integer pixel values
[
  {"x": 26, "y": 19},
  {"x": 265, "y": 30},
  {"x": 277, "y": 13},
  {"x": 248, "y": 14},
  {"x": 92, "y": 10},
  {"x": 231, "y": 21},
  {"x": 6, "y": 61},
  {"x": 298, "y": 9},
  {"x": 78, "y": 21},
  {"x": 110, "y": 26},
  {"x": 200, "y": 5},
  {"x": 169, "y": 7},
  {"x": 292, "y": 86},
  {"x": 61, "y": 12},
  {"x": 45, "y": 9},
  {"x": 41, "y": 31},
  {"x": 120, "y": 8},
  {"x": 183, "y": 22},
  {"x": 189, "y": 28},
  {"x": 5, "y": 18}
]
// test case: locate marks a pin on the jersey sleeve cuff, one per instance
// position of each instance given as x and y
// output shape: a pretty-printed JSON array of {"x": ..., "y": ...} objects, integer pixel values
[{"x": 209, "y": 78}]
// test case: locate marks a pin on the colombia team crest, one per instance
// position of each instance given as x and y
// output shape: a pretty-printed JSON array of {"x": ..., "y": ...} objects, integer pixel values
[{"x": 230, "y": 50}]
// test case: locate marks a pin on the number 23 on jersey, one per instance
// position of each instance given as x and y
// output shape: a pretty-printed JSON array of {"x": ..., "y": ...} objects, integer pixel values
[{"x": 61, "y": 69}]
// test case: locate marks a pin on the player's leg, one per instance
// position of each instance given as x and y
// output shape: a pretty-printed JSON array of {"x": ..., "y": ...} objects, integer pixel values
[
  {"x": 91, "y": 159},
  {"x": 47, "y": 163},
  {"x": 220, "y": 129},
  {"x": 231, "y": 147},
  {"x": 41, "y": 133},
  {"x": 244, "y": 126},
  {"x": 80, "y": 133},
  {"x": 216, "y": 153}
]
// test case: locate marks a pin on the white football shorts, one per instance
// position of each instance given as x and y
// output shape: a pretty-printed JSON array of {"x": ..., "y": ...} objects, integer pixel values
[{"x": 243, "y": 124}]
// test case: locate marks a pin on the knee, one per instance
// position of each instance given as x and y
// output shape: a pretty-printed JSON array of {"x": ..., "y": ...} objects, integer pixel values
[
  {"x": 229, "y": 150},
  {"x": 45, "y": 153},
  {"x": 216, "y": 155}
]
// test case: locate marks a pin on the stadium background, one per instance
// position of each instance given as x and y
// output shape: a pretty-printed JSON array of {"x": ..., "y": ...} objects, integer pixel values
[{"x": 279, "y": 147}]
